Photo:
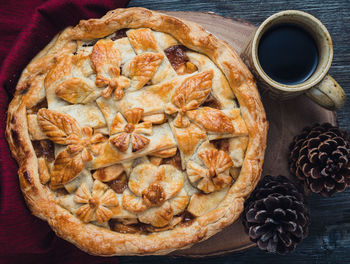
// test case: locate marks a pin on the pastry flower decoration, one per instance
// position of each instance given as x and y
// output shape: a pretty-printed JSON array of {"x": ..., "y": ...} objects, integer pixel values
[
  {"x": 215, "y": 175},
  {"x": 98, "y": 204},
  {"x": 189, "y": 96},
  {"x": 130, "y": 130},
  {"x": 81, "y": 143},
  {"x": 155, "y": 193},
  {"x": 106, "y": 62}
]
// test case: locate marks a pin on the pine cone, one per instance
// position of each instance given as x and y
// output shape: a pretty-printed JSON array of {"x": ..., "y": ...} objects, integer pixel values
[
  {"x": 275, "y": 216},
  {"x": 320, "y": 156}
]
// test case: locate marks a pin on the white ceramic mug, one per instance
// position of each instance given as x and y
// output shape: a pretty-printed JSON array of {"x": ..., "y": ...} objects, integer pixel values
[{"x": 320, "y": 87}]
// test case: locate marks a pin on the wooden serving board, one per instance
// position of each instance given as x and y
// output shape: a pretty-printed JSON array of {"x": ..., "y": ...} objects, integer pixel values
[{"x": 286, "y": 119}]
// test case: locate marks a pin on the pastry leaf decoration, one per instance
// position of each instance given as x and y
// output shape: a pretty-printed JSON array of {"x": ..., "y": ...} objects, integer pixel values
[
  {"x": 130, "y": 130},
  {"x": 106, "y": 61},
  {"x": 189, "y": 96},
  {"x": 215, "y": 175},
  {"x": 81, "y": 144},
  {"x": 143, "y": 67},
  {"x": 142, "y": 40},
  {"x": 98, "y": 203},
  {"x": 212, "y": 120},
  {"x": 76, "y": 91},
  {"x": 68, "y": 164},
  {"x": 59, "y": 128}
]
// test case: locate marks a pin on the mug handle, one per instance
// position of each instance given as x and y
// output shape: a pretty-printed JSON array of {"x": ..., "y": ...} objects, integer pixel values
[{"x": 328, "y": 94}]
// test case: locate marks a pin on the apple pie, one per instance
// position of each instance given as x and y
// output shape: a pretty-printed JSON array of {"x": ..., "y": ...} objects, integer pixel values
[{"x": 136, "y": 133}]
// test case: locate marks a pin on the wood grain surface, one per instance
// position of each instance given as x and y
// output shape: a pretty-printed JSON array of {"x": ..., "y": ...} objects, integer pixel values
[{"x": 329, "y": 240}]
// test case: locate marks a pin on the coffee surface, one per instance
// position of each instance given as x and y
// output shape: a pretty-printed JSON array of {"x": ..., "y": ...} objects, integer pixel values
[{"x": 288, "y": 54}]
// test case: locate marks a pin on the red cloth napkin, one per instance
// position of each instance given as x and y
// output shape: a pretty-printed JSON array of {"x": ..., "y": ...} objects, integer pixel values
[{"x": 25, "y": 28}]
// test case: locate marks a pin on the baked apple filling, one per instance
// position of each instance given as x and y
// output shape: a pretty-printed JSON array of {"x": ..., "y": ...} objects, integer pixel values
[{"x": 179, "y": 60}]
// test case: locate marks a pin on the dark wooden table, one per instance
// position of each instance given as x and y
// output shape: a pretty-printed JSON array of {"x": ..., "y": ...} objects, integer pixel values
[{"x": 329, "y": 239}]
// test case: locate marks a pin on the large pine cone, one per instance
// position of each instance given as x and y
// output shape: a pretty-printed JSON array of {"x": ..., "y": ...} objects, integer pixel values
[
  {"x": 320, "y": 156},
  {"x": 275, "y": 216}
]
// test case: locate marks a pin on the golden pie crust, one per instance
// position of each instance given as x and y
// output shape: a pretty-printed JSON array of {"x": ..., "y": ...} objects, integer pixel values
[{"x": 113, "y": 129}]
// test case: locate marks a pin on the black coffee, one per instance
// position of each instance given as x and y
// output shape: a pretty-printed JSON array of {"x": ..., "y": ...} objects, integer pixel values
[{"x": 288, "y": 54}]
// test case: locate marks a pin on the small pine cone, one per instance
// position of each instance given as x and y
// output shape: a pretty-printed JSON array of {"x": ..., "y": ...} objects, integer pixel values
[
  {"x": 275, "y": 215},
  {"x": 320, "y": 156}
]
